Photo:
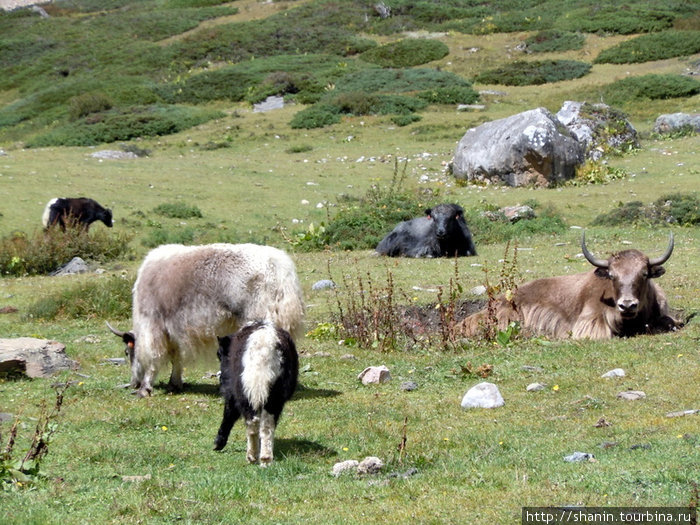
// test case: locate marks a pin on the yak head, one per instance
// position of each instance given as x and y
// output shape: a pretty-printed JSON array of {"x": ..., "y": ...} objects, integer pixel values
[
  {"x": 129, "y": 340},
  {"x": 629, "y": 272},
  {"x": 447, "y": 219}
]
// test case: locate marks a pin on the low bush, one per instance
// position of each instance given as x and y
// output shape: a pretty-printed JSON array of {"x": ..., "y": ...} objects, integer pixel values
[
  {"x": 406, "y": 53},
  {"x": 45, "y": 252},
  {"x": 642, "y": 18},
  {"x": 655, "y": 46},
  {"x": 676, "y": 208},
  {"x": 521, "y": 73},
  {"x": 405, "y": 120},
  {"x": 178, "y": 210},
  {"x": 104, "y": 298},
  {"x": 450, "y": 95},
  {"x": 83, "y": 105},
  {"x": 552, "y": 40},
  {"x": 486, "y": 230},
  {"x": 650, "y": 87},
  {"x": 124, "y": 124},
  {"x": 316, "y": 116},
  {"x": 399, "y": 80},
  {"x": 594, "y": 172}
]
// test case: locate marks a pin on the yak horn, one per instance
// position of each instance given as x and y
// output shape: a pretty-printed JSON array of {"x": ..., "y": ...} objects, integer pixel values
[
  {"x": 114, "y": 330},
  {"x": 660, "y": 260},
  {"x": 600, "y": 263}
]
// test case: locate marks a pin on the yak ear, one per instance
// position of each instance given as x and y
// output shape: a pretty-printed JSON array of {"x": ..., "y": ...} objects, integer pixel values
[
  {"x": 656, "y": 271},
  {"x": 603, "y": 273}
]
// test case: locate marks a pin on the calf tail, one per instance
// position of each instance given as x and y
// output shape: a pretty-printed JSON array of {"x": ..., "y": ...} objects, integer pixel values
[
  {"x": 46, "y": 216},
  {"x": 287, "y": 310}
]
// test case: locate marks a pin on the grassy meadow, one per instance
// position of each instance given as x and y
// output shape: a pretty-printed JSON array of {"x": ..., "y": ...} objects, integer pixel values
[{"x": 113, "y": 458}]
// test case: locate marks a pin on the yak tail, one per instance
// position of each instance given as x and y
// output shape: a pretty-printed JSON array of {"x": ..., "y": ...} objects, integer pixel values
[
  {"x": 262, "y": 365},
  {"x": 287, "y": 310},
  {"x": 46, "y": 216}
]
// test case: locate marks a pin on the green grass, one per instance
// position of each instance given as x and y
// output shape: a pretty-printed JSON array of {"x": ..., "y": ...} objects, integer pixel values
[{"x": 269, "y": 183}]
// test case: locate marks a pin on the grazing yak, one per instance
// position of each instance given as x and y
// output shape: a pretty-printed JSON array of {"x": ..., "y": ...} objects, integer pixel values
[
  {"x": 185, "y": 297},
  {"x": 443, "y": 232},
  {"x": 82, "y": 211},
  {"x": 259, "y": 373},
  {"x": 616, "y": 298}
]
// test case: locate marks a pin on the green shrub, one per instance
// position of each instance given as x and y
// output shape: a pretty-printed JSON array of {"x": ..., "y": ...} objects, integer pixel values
[
  {"x": 406, "y": 53},
  {"x": 83, "y": 105},
  {"x": 124, "y": 124},
  {"x": 450, "y": 95},
  {"x": 405, "y": 120},
  {"x": 642, "y": 18},
  {"x": 316, "y": 116},
  {"x": 45, "y": 252},
  {"x": 521, "y": 73},
  {"x": 105, "y": 297},
  {"x": 552, "y": 40},
  {"x": 650, "y": 87},
  {"x": 593, "y": 172},
  {"x": 398, "y": 80},
  {"x": 656, "y": 46},
  {"x": 485, "y": 230},
  {"x": 677, "y": 208},
  {"x": 178, "y": 210},
  {"x": 158, "y": 236}
]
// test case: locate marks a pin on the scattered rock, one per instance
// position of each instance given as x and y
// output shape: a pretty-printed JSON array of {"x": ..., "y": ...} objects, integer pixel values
[
  {"x": 114, "y": 154},
  {"x": 34, "y": 357},
  {"x": 631, "y": 395},
  {"x": 535, "y": 387},
  {"x": 483, "y": 395},
  {"x": 374, "y": 375},
  {"x": 641, "y": 446},
  {"x": 580, "y": 456},
  {"x": 608, "y": 444},
  {"x": 409, "y": 386},
  {"x": 684, "y": 413},
  {"x": 602, "y": 423},
  {"x": 323, "y": 284},
  {"x": 115, "y": 360},
  {"x": 270, "y": 103},
  {"x": 370, "y": 465},
  {"x": 471, "y": 107},
  {"x": 5, "y": 417},
  {"x": 478, "y": 290},
  {"x": 518, "y": 212},
  {"x": 75, "y": 266},
  {"x": 615, "y": 372},
  {"x": 404, "y": 475},
  {"x": 676, "y": 121},
  {"x": 344, "y": 466}
]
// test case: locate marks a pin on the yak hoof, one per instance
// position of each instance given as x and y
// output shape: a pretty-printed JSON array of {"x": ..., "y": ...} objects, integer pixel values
[
  {"x": 265, "y": 461},
  {"x": 219, "y": 444}
]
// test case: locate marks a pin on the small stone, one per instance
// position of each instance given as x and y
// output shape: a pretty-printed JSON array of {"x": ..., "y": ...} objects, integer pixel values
[
  {"x": 631, "y": 395},
  {"x": 374, "y": 375},
  {"x": 344, "y": 466},
  {"x": 535, "y": 387},
  {"x": 602, "y": 423},
  {"x": 580, "y": 456},
  {"x": 483, "y": 395},
  {"x": 323, "y": 284},
  {"x": 615, "y": 372},
  {"x": 478, "y": 290},
  {"x": 409, "y": 386},
  {"x": 370, "y": 465},
  {"x": 641, "y": 446},
  {"x": 683, "y": 413}
]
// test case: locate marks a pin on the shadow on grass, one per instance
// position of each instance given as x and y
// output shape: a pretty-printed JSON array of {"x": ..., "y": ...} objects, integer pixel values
[{"x": 301, "y": 448}]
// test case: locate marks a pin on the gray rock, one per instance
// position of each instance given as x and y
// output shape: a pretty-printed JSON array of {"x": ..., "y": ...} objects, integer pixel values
[
  {"x": 370, "y": 465},
  {"x": 114, "y": 154},
  {"x": 74, "y": 266},
  {"x": 597, "y": 127},
  {"x": 535, "y": 387},
  {"x": 518, "y": 212},
  {"x": 676, "y": 121},
  {"x": 631, "y": 395},
  {"x": 270, "y": 103},
  {"x": 615, "y": 372},
  {"x": 34, "y": 357},
  {"x": 409, "y": 386},
  {"x": 579, "y": 456},
  {"x": 483, "y": 395},
  {"x": 374, "y": 375},
  {"x": 344, "y": 466},
  {"x": 682, "y": 413},
  {"x": 323, "y": 284},
  {"x": 532, "y": 147}
]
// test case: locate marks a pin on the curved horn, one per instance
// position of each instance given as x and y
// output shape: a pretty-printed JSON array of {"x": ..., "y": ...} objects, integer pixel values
[
  {"x": 114, "y": 330},
  {"x": 600, "y": 263},
  {"x": 660, "y": 260}
]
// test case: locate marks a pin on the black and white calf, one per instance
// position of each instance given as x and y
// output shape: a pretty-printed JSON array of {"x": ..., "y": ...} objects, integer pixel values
[
  {"x": 82, "y": 211},
  {"x": 259, "y": 371}
]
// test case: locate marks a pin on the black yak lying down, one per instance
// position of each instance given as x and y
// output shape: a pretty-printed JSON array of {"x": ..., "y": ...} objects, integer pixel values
[
  {"x": 443, "y": 232},
  {"x": 82, "y": 211}
]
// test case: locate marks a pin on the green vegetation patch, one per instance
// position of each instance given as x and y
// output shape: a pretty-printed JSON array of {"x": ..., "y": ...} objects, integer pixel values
[
  {"x": 406, "y": 53},
  {"x": 650, "y": 87},
  {"x": 124, "y": 124},
  {"x": 553, "y": 40},
  {"x": 522, "y": 73},
  {"x": 644, "y": 17},
  {"x": 655, "y": 46},
  {"x": 676, "y": 208},
  {"x": 178, "y": 210},
  {"x": 399, "y": 80}
]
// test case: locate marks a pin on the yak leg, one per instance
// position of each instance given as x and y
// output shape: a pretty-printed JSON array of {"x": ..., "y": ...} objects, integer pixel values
[
  {"x": 146, "y": 387},
  {"x": 231, "y": 415},
  {"x": 267, "y": 437},
  {"x": 253, "y": 437},
  {"x": 175, "y": 383}
]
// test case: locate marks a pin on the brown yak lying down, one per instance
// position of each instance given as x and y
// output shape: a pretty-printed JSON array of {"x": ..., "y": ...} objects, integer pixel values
[{"x": 616, "y": 298}]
